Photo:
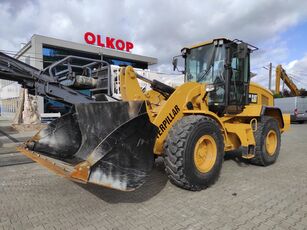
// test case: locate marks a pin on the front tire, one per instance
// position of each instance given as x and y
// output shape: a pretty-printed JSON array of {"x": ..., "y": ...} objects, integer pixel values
[{"x": 194, "y": 152}]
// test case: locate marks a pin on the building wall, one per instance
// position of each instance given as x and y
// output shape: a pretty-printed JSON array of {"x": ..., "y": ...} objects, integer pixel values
[
  {"x": 32, "y": 53},
  {"x": 9, "y": 94}
]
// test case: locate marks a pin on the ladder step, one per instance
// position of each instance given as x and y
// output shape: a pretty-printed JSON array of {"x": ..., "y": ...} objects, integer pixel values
[{"x": 248, "y": 152}]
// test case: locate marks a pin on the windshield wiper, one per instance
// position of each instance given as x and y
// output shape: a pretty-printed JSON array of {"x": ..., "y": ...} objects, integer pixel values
[
  {"x": 209, "y": 67},
  {"x": 205, "y": 73}
]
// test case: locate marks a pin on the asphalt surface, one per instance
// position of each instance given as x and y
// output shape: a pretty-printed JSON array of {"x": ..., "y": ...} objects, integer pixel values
[{"x": 245, "y": 197}]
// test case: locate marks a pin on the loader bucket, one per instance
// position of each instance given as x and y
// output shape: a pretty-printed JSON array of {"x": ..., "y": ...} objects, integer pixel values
[{"x": 106, "y": 143}]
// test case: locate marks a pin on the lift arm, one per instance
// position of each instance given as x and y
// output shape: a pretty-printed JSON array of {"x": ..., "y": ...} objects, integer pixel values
[{"x": 281, "y": 74}]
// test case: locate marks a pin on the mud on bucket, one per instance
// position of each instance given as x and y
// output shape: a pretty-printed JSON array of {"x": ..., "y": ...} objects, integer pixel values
[{"x": 115, "y": 139}]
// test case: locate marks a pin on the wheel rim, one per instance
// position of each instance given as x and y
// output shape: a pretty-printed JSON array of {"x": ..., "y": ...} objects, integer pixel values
[
  {"x": 205, "y": 153},
  {"x": 271, "y": 142}
]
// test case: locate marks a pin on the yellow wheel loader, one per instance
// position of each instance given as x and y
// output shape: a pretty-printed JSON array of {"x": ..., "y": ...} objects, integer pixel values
[{"x": 192, "y": 126}]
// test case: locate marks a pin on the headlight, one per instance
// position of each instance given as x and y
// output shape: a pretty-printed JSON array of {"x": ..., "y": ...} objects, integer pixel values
[{"x": 210, "y": 87}]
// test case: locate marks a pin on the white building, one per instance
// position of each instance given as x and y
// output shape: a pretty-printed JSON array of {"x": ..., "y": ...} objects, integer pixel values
[{"x": 41, "y": 51}]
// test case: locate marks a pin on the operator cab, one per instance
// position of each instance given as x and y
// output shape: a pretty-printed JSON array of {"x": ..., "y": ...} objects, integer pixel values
[{"x": 224, "y": 66}]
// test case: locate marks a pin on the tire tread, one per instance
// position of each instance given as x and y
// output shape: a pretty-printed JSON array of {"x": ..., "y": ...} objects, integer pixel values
[
  {"x": 174, "y": 151},
  {"x": 259, "y": 158}
]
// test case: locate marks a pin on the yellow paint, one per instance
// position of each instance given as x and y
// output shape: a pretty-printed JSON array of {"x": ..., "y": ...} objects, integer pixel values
[
  {"x": 72, "y": 174},
  {"x": 206, "y": 43},
  {"x": 264, "y": 96},
  {"x": 205, "y": 153},
  {"x": 237, "y": 130},
  {"x": 281, "y": 74},
  {"x": 286, "y": 119},
  {"x": 129, "y": 86},
  {"x": 249, "y": 111},
  {"x": 164, "y": 113},
  {"x": 271, "y": 142},
  {"x": 243, "y": 131},
  {"x": 165, "y": 117}
]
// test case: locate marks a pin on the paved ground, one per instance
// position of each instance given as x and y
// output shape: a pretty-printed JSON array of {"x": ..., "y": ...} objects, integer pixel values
[
  {"x": 245, "y": 197},
  {"x": 9, "y": 139}
]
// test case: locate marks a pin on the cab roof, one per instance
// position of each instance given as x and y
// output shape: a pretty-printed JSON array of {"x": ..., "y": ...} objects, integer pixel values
[
  {"x": 226, "y": 40},
  {"x": 207, "y": 42}
]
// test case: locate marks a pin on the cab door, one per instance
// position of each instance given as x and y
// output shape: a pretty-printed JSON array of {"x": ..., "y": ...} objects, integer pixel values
[{"x": 237, "y": 80}]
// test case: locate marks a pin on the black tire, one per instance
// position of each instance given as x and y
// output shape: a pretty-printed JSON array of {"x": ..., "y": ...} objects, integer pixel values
[
  {"x": 301, "y": 122},
  {"x": 179, "y": 152},
  {"x": 262, "y": 157}
]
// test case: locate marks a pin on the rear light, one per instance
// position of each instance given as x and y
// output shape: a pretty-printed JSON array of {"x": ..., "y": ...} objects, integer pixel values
[{"x": 295, "y": 112}]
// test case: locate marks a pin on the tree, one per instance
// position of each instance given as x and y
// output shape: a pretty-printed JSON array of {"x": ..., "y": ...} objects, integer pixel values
[
  {"x": 303, "y": 92},
  {"x": 286, "y": 93}
]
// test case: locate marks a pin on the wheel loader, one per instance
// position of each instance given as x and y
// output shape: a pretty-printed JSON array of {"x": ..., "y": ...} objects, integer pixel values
[{"x": 114, "y": 143}]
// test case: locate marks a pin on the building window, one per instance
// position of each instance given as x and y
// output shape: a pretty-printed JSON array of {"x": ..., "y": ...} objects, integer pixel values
[{"x": 52, "y": 54}]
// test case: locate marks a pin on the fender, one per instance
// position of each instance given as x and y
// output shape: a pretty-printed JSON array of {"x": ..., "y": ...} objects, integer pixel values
[
  {"x": 283, "y": 119},
  {"x": 173, "y": 109}
]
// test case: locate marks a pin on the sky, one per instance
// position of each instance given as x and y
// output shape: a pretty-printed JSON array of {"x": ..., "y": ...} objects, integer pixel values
[{"x": 160, "y": 28}]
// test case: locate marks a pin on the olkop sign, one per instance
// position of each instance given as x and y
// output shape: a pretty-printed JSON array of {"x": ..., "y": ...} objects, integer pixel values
[{"x": 108, "y": 42}]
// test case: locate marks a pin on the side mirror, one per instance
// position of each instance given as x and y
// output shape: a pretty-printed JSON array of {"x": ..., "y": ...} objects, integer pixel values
[
  {"x": 175, "y": 62},
  {"x": 242, "y": 50}
]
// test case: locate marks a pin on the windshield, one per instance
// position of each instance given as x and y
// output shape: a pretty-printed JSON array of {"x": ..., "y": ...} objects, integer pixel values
[{"x": 206, "y": 64}]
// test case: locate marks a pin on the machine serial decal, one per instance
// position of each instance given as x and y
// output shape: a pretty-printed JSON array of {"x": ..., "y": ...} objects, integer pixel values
[{"x": 168, "y": 120}]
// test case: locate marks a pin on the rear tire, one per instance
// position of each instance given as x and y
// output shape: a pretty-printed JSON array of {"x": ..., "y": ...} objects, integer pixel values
[
  {"x": 268, "y": 142},
  {"x": 194, "y": 152}
]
